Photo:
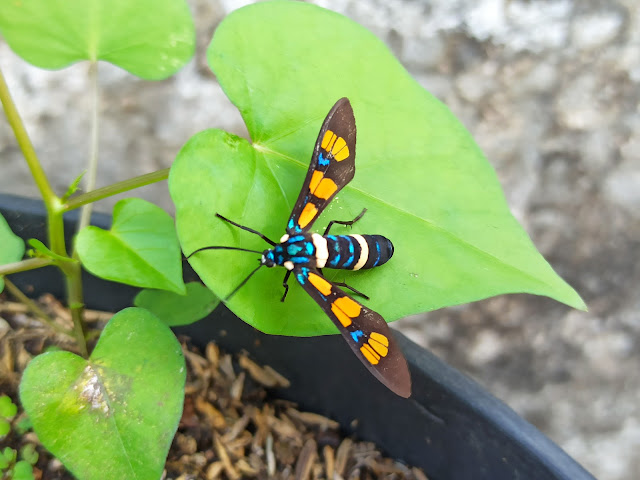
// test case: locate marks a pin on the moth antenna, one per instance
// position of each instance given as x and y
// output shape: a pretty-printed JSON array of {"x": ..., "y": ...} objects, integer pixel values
[
  {"x": 247, "y": 229},
  {"x": 226, "y": 299},
  {"x": 223, "y": 248}
]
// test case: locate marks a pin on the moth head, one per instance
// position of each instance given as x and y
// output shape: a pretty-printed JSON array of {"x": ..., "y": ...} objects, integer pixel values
[{"x": 268, "y": 260}]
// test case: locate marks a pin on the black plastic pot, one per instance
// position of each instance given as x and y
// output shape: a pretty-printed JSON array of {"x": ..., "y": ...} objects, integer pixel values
[{"x": 450, "y": 426}]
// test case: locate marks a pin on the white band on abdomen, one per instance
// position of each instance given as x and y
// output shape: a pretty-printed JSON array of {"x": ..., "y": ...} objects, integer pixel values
[
  {"x": 322, "y": 253},
  {"x": 364, "y": 251}
]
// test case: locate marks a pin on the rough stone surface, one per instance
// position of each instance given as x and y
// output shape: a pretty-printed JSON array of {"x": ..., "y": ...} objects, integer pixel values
[{"x": 551, "y": 92}]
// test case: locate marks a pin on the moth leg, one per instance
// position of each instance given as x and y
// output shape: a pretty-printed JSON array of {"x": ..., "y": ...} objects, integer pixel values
[
  {"x": 285, "y": 284},
  {"x": 342, "y": 222},
  {"x": 357, "y": 292},
  {"x": 250, "y": 230}
]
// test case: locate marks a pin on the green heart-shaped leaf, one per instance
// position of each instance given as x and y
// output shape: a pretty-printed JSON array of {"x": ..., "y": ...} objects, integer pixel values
[
  {"x": 174, "y": 309},
  {"x": 424, "y": 181},
  {"x": 141, "y": 249},
  {"x": 149, "y": 38},
  {"x": 11, "y": 247},
  {"x": 115, "y": 414}
]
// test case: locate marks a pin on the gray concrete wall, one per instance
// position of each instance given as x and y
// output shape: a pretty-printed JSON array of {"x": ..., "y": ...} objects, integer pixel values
[{"x": 551, "y": 92}]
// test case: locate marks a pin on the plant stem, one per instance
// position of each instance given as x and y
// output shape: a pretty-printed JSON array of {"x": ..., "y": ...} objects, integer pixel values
[
  {"x": 51, "y": 201},
  {"x": 33, "y": 306},
  {"x": 116, "y": 188},
  {"x": 92, "y": 167},
  {"x": 24, "y": 265},
  {"x": 24, "y": 142},
  {"x": 73, "y": 275},
  {"x": 55, "y": 211}
]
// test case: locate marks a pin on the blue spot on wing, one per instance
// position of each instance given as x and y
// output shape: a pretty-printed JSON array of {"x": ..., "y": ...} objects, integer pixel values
[
  {"x": 291, "y": 226},
  {"x": 302, "y": 275},
  {"x": 323, "y": 161},
  {"x": 356, "y": 335}
]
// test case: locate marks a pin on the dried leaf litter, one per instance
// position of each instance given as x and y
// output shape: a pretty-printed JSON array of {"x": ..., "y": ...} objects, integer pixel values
[{"x": 231, "y": 428}]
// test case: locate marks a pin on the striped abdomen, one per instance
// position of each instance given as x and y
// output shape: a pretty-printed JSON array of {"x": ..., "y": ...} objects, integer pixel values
[{"x": 354, "y": 252}]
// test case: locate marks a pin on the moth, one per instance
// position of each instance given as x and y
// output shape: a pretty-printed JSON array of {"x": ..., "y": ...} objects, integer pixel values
[{"x": 304, "y": 254}]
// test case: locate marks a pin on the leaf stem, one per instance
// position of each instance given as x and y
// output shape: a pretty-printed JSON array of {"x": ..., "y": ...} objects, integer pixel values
[
  {"x": 116, "y": 188},
  {"x": 25, "y": 265},
  {"x": 92, "y": 167},
  {"x": 33, "y": 306}
]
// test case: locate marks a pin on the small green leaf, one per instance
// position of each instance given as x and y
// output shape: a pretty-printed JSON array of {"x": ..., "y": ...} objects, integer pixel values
[
  {"x": 9, "y": 454},
  {"x": 23, "y": 471},
  {"x": 7, "y": 457},
  {"x": 116, "y": 412},
  {"x": 424, "y": 181},
  {"x": 28, "y": 453},
  {"x": 141, "y": 249},
  {"x": 11, "y": 246},
  {"x": 7, "y": 408},
  {"x": 44, "y": 251},
  {"x": 174, "y": 309},
  {"x": 5, "y": 427},
  {"x": 23, "y": 425},
  {"x": 73, "y": 188},
  {"x": 149, "y": 38}
]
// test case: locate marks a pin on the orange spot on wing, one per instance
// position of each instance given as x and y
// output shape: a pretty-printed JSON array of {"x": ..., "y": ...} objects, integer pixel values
[
  {"x": 315, "y": 180},
  {"x": 325, "y": 140},
  {"x": 371, "y": 356},
  {"x": 320, "y": 283},
  {"x": 342, "y": 154},
  {"x": 340, "y": 150},
  {"x": 344, "y": 319},
  {"x": 380, "y": 338},
  {"x": 379, "y": 347},
  {"x": 325, "y": 189},
  {"x": 339, "y": 145},
  {"x": 348, "y": 306},
  {"x": 308, "y": 213},
  {"x": 332, "y": 140},
  {"x": 345, "y": 309}
]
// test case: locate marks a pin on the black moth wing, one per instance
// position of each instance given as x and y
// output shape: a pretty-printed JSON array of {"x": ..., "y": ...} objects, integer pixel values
[
  {"x": 332, "y": 167},
  {"x": 366, "y": 332}
]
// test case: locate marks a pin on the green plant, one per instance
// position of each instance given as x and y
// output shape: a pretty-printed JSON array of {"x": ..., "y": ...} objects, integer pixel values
[
  {"x": 7, "y": 411},
  {"x": 425, "y": 182},
  {"x": 14, "y": 465}
]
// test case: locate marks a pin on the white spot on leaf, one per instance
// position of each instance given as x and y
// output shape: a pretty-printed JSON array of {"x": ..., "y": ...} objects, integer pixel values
[{"x": 92, "y": 391}]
